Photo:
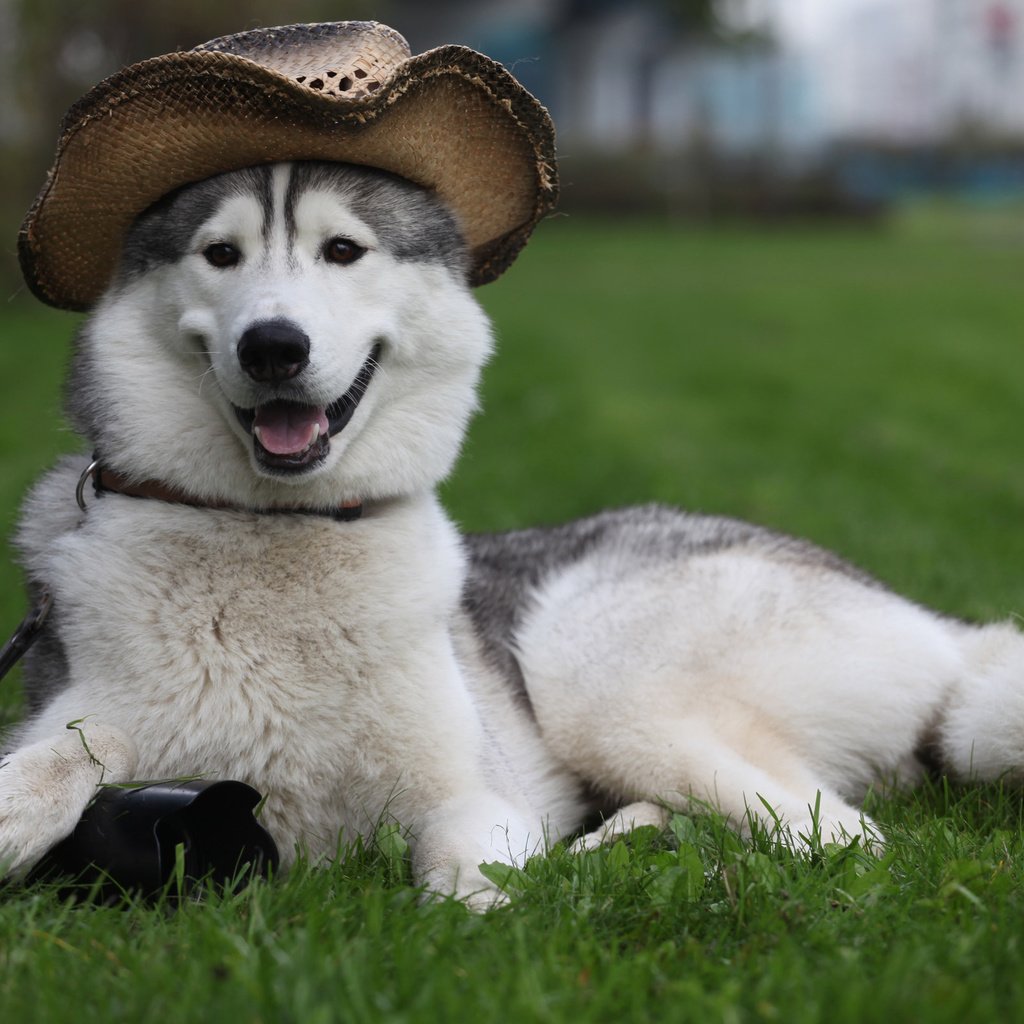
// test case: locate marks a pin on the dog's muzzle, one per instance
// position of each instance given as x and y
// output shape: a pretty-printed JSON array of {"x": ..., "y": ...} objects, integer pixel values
[{"x": 292, "y": 437}]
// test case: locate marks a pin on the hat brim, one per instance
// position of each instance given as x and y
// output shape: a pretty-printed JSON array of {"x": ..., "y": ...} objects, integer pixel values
[{"x": 449, "y": 119}]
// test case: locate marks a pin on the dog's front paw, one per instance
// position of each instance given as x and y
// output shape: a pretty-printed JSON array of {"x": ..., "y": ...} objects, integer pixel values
[
  {"x": 456, "y": 840},
  {"x": 45, "y": 787},
  {"x": 464, "y": 882}
]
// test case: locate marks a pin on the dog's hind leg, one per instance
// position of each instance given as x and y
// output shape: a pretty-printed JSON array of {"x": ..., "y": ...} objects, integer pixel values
[
  {"x": 46, "y": 785},
  {"x": 684, "y": 763}
]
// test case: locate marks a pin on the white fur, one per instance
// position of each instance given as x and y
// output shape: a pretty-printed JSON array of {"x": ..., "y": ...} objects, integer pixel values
[{"x": 330, "y": 665}]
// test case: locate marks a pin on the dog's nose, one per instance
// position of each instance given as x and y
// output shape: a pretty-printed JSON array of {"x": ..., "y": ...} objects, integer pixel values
[{"x": 273, "y": 350}]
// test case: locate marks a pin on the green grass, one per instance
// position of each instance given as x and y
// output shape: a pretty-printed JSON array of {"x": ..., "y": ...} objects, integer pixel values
[{"x": 863, "y": 389}]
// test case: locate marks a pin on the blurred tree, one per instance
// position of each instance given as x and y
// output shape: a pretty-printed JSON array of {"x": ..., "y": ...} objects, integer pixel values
[
  {"x": 694, "y": 14},
  {"x": 735, "y": 22}
]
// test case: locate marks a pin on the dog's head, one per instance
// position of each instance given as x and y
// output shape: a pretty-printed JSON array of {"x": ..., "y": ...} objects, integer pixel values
[{"x": 297, "y": 333}]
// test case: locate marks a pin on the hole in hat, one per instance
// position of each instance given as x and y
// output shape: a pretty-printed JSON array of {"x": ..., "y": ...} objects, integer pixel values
[
  {"x": 332, "y": 74},
  {"x": 317, "y": 83},
  {"x": 372, "y": 86},
  {"x": 344, "y": 84},
  {"x": 301, "y": 78},
  {"x": 360, "y": 73}
]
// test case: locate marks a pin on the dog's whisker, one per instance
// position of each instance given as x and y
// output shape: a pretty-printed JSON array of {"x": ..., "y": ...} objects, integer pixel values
[{"x": 208, "y": 375}]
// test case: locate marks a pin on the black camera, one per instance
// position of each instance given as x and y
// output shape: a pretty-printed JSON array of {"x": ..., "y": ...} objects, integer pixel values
[{"x": 163, "y": 839}]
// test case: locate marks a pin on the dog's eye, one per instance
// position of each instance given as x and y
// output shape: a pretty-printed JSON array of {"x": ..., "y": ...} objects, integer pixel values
[
  {"x": 221, "y": 254},
  {"x": 342, "y": 250}
]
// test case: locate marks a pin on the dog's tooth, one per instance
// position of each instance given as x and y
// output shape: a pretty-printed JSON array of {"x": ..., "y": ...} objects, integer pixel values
[
  {"x": 316, "y": 434},
  {"x": 257, "y": 433}
]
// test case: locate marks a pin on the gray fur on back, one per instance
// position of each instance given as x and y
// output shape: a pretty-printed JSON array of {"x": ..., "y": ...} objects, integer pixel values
[{"x": 506, "y": 568}]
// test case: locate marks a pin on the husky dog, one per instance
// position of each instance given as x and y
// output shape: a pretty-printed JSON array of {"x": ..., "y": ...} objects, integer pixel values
[{"x": 302, "y": 337}]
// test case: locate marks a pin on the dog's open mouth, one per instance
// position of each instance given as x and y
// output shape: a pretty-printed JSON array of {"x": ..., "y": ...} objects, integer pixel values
[{"x": 290, "y": 437}]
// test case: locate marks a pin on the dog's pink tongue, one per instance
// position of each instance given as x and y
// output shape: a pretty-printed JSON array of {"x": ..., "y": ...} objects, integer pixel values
[{"x": 286, "y": 428}]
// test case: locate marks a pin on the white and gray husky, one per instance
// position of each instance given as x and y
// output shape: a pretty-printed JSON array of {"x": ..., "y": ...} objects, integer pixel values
[{"x": 285, "y": 345}]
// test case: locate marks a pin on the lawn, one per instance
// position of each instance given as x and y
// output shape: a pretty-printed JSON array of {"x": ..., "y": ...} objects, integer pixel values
[{"x": 862, "y": 388}]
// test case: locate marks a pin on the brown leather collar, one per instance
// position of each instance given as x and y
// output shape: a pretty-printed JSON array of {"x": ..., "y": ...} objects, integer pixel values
[{"x": 107, "y": 481}]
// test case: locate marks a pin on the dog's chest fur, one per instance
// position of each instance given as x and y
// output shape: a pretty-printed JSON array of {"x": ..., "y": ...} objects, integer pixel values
[{"x": 282, "y": 649}]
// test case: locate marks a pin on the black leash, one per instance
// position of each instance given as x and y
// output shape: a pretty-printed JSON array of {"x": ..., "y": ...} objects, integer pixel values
[{"x": 26, "y": 634}]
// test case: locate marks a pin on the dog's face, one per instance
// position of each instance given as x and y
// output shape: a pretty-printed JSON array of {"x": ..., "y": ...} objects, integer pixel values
[{"x": 300, "y": 330}]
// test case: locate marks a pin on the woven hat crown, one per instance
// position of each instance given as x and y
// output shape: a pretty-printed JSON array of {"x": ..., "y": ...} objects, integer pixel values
[
  {"x": 351, "y": 59},
  {"x": 450, "y": 120}
]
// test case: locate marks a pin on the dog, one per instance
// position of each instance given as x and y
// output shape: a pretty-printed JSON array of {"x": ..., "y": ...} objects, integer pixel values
[{"x": 300, "y": 341}]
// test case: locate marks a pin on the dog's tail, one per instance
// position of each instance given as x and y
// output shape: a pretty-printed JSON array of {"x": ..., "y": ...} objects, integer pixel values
[{"x": 981, "y": 732}]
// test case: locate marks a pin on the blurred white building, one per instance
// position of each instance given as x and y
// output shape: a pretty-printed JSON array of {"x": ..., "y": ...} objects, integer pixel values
[{"x": 913, "y": 71}]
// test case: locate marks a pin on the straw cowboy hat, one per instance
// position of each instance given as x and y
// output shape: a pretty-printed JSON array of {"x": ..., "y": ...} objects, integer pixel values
[{"x": 449, "y": 119}]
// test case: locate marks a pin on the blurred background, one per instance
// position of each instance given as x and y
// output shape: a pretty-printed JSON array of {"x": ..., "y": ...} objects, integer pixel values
[{"x": 682, "y": 108}]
